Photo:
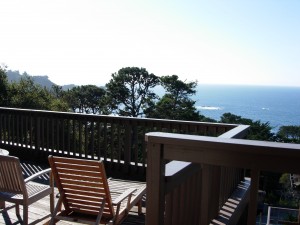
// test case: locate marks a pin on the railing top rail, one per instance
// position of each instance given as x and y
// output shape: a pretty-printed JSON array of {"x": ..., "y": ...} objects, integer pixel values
[
  {"x": 194, "y": 140},
  {"x": 258, "y": 155},
  {"x": 239, "y": 131},
  {"x": 111, "y": 117}
]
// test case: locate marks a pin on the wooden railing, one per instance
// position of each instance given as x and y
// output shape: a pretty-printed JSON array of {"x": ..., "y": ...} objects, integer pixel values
[
  {"x": 213, "y": 154},
  {"x": 183, "y": 180},
  {"x": 119, "y": 141}
]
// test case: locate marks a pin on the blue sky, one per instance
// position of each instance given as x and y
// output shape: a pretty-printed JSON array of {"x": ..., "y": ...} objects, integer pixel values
[{"x": 215, "y": 41}]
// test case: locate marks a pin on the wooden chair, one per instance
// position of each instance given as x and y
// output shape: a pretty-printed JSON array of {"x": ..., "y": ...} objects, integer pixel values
[
  {"x": 14, "y": 188},
  {"x": 88, "y": 196}
]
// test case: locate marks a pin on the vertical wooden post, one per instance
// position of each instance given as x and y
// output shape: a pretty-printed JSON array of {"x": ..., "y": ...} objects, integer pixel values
[
  {"x": 205, "y": 194},
  {"x": 80, "y": 145},
  {"x": 127, "y": 146},
  {"x": 86, "y": 139},
  {"x": 299, "y": 215},
  {"x": 68, "y": 136},
  {"x": 253, "y": 197},
  {"x": 37, "y": 133},
  {"x": 57, "y": 134},
  {"x": 155, "y": 185},
  {"x": 52, "y": 132},
  {"x": 215, "y": 191}
]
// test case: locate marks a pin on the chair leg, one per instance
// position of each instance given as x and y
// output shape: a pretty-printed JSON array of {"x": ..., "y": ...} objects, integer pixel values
[
  {"x": 25, "y": 214},
  {"x": 52, "y": 194},
  {"x": 51, "y": 203},
  {"x": 57, "y": 208},
  {"x": 17, "y": 209},
  {"x": 139, "y": 204},
  {"x": 2, "y": 204},
  {"x": 100, "y": 212}
]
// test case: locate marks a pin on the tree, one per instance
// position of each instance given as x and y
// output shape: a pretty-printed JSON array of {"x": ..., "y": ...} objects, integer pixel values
[
  {"x": 290, "y": 134},
  {"x": 129, "y": 91},
  {"x": 257, "y": 130},
  {"x": 87, "y": 99},
  {"x": 57, "y": 91},
  {"x": 27, "y": 94},
  {"x": 176, "y": 103},
  {"x": 3, "y": 87},
  {"x": 59, "y": 102}
]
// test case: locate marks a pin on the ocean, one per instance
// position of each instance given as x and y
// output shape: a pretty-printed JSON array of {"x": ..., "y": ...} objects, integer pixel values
[{"x": 279, "y": 106}]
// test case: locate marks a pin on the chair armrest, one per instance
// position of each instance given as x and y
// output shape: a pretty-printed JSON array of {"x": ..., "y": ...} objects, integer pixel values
[
  {"x": 34, "y": 176},
  {"x": 124, "y": 195}
]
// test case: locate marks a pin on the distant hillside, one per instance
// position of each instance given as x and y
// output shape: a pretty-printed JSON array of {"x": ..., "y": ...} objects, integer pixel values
[{"x": 43, "y": 80}]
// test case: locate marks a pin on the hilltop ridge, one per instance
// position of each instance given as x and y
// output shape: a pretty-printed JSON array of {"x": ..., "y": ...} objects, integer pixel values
[{"x": 43, "y": 80}]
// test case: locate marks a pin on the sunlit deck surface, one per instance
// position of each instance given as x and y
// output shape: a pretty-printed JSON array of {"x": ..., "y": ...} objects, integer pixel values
[{"x": 39, "y": 212}]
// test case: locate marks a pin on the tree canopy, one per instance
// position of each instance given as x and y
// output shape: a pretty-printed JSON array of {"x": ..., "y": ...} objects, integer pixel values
[
  {"x": 176, "y": 104},
  {"x": 130, "y": 91},
  {"x": 87, "y": 99},
  {"x": 257, "y": 131},
  {"x": 289, "y": 134},
  {"x": 27, "y": 94},
  {"x": 3, "y": 87}
]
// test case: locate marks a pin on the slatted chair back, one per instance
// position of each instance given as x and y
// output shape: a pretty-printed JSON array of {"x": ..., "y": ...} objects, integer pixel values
[
  {"x": 11, "y": 178},
  {"x": 83, "y": 184}
]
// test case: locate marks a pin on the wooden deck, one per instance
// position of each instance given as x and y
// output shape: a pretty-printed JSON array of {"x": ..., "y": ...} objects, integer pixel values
[{"x": 39, "y": 212}]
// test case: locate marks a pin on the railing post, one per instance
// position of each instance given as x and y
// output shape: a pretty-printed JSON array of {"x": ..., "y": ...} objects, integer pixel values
[
  {"x": 155, "y": 185},
  {"x": 205, "y": 194},
  {"x": 37, "y": 133},
  {"x": 127, "y": 146},
  {"x": 253, "y": 197},
  {"x": 299, "y": 215},
  {"x": 215, "y": 191}
]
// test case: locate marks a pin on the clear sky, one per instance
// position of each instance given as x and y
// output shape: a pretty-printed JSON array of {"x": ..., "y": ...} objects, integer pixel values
[{"x": 212, "y": 41}]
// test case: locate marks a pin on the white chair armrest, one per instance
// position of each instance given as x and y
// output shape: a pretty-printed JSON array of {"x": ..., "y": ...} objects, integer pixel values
[
  {"x": 34, "y": 176},
  {"x": 124, "y": 195}
]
